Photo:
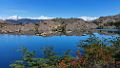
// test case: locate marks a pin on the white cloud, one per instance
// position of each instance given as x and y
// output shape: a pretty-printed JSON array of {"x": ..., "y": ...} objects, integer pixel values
[
  {"x": 87, "y": 18},
  {"x": 15, "y": 17},
  {"x": 10, "y": 17},
  {"x": 40, "y": 17}
]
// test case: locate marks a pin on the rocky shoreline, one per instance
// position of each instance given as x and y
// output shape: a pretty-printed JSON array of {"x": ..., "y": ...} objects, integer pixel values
[{"x": 58, "y": 26}]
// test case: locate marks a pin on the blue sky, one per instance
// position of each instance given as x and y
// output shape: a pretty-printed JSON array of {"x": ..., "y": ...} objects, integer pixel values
[{"x": 59, "y": 8}]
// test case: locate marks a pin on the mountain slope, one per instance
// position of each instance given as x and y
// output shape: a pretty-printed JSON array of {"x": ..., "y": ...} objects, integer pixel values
[{"x": 108, "y": 21}]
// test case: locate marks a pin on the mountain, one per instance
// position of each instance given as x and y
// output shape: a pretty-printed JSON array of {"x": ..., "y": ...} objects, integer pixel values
[
  {"x": 51, "y": 26},
  {"x": 68, "y": 26},
  {"x": 108, "y": 21},
  {"x": 2, "y": 22},
  {"x": 22, "y": 21},
  {"x": 105, "y": 19}
]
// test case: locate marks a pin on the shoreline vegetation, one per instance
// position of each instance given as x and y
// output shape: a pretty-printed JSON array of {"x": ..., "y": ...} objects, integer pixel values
[{"x": 91, "y": 53}]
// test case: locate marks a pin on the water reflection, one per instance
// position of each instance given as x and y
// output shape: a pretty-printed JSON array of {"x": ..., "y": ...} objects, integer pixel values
[
  {"x": 9, "y": 44},
  {"x": 90, "y": 31}
]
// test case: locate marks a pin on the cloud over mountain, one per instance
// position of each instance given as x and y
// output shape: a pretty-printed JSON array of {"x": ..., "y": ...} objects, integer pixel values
[
  {"x": 14, "y": 17},
  {"x": 87, "y": 18},
  {"x": 41, "y": 17}
]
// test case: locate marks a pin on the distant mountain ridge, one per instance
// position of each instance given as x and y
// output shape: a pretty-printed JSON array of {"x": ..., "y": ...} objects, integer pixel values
[
  {"x": 22, "y": 21},
  {"x": 102, "y": 19},
  {"x": 57, "y": 25},
  {"x": 72, "y": 23}
]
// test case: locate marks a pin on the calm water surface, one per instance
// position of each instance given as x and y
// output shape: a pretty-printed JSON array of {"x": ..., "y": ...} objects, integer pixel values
[{"x": 10, "y": 44}]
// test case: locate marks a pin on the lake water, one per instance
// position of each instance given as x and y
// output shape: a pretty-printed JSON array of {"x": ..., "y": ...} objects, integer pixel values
[{"x": 10, "y": 44}]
